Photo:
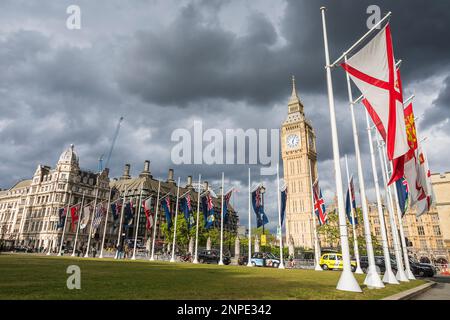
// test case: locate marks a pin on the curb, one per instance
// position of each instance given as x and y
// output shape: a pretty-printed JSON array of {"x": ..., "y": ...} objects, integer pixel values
[{"x": 408, "y": 294}]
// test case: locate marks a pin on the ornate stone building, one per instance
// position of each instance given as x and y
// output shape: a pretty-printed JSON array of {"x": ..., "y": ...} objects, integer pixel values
[
  {"x": 299, "y": 159},
  {"x": 29, "y": 210}
]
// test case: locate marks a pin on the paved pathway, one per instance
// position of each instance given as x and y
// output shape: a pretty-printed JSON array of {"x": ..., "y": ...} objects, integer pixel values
[{"x": 441, "y": 291}]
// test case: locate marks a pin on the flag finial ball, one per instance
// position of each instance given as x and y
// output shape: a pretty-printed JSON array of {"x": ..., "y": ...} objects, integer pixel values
[{"x": 323, "y": 8}]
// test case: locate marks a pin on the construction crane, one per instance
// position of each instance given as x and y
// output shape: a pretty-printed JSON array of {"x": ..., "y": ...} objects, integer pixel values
[{"x": 100, "y": 160}]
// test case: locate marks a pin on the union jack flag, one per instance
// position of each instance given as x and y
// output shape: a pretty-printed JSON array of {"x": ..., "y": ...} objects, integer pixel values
[{"x": 319, "y": 204}]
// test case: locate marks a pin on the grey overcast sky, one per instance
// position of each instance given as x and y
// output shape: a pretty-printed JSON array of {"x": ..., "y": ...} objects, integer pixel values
[{"x": 163, "y": 64}]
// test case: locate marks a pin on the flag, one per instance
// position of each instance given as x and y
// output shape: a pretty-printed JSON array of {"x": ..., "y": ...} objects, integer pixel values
[
  {"x": 350, "y": 197},
  {"x": 208, "y": 211},
  {"x": 319, "y": 204},
  {"x": 402, "y": 194},
  {"x": 258, "y": 208},
  {"x": 226, "y": 202},
  {"x": 99, "y": 213},
  {"x": 412, "y": 167},
  {"x": 148, "y": 214},
  {"x": 86, "y": 213},
  {"x": 165, "y": 203},
  {"x": 128, "y": 213},
  {"x": 186, "y": 207},
  {"x": 426, "y": 200},
  {"x": 74, "y": 215},
  {"x": 283, "y": 204},
  {"x": 62, "y": 217},
  {"x": 373, "y": 71},
  {"x": 115, "y": 210}
]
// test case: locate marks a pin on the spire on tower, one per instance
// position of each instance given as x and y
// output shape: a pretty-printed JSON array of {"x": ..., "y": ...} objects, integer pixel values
[{"x": 294, "y": 101}]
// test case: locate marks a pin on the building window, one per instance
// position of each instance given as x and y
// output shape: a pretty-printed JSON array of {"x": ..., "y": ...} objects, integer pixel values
[
  {"x": 423, "y": 244},
  {"x": 421, "y": 230},
  {"x": 440, "y": 244},
  {"x": 436, "y": 230}
]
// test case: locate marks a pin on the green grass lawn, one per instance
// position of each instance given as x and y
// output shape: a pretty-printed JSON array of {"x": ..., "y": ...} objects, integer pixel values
[{"x": 26, "y": 276}]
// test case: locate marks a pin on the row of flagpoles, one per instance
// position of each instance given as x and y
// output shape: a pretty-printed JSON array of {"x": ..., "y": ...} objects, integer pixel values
[{"x": 376, "y": 74}]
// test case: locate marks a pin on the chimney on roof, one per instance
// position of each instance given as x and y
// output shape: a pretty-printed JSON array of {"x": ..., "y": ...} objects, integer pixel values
[
  {"x": 146, "y": 172},
  {"x": 170, "y": 176},
  {"x": 126, "y": 172}
]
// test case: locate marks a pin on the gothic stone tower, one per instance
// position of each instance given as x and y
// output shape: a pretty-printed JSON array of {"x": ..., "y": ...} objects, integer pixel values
[{"x": 298, "y": 152}]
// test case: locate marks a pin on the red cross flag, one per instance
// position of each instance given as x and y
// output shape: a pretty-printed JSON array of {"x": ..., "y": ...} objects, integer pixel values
[{"x": 373, "y": 71}]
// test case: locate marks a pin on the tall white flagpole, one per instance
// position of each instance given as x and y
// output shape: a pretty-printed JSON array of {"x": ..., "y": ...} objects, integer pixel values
[
  {"x": 196, "y": 221},
  {"x": 373, "y": 279},
  {"x": 64, "y": 227},
  {"x": 139, "y": 207},
  {"x": 152, "y": 257},
  {"x": 317, "y": 253},
  {"x": 281, "y": 266},
  {"x": 221, "y": 222},
  {"x": 355, "y": 237},
  {"x": 78, "y": 225},
  {"x": 120, "y": 223},
  {"x": 92, "y": 222},
  {"x": 347, "y": 281},
  {"x": 249, "y": 263},
  {"x": 389, "y": 276},
  {"x": 175, "y": 224},
  {"x": 408, "y": 272},
  {"x": 401, "y": 276},
  {"x": 106, "y": 222}
]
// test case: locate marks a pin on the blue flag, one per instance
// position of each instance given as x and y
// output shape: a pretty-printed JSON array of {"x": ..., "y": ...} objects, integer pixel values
[
  {"x": 402, "y": 193},
  {"x": 62, "y": 217},
  {"x": 226, "y": 201},
  {"x": 283, "y": 204},
  {"x": 186, "y": 208},
  {"x": 128, "y": 213},
  {"x": 165, "y": 203},
  {"x": 208, "y": 211},
  {"x": 348, "y": 208},
  {"x": 258, "y": 208}
]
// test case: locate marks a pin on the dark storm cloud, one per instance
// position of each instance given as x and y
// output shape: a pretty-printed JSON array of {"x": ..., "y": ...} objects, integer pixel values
[
  {"x": 439, "y": 113},
  {"x": 162, "y": 65}
]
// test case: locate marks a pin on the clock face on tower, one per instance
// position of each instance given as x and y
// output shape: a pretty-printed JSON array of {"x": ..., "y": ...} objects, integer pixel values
[{"x": 292, "y": 141}]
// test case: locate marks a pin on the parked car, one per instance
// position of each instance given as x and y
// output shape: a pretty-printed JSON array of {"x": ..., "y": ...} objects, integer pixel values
[
  {"x": 265, "y": 259},
  {"x": 334, "y": 261},
  {"x": 379, "y": 262},
  {"x": 421, "y": 269},
  {"x": 212, "y": 256},
  {"x": 22, "y": 249}
]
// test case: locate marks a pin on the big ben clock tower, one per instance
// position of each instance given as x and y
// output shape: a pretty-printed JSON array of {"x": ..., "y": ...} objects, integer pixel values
[{"x": 298, "y": 152}]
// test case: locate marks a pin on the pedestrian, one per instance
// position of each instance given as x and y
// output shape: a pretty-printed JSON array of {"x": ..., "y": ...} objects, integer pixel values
[{"x": 94, "y": 252}]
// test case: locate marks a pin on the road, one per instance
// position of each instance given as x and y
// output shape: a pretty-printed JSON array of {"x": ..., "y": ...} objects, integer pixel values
[{"x": 441, "y": 291}]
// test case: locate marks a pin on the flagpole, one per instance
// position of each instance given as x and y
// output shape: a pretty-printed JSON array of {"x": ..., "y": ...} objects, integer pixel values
[
  {"x": 64, "y": 227},
  {"x": 355, "y": 238},
  {"x": 347, "y": 281},
  {"x": 316, "y": 239},
  {"x": 408, "y": 272},
  {"x": 196, "y": 222},
  {"x": 389, "y": 276},
  {"x": 372, "y": 279},
  {"x": 78, "y": 225},
  {"x": 92, "y": 222},
  {"x": 139, "y": 207},
  {"x": 175, "y": 224},
  {"x": 281, "y": 266},
  {"x": 120, "y": 223},
  {"x": 221, "y": 222},
  {"x": 401, "y": 274},
  {"x": 249, "y": 263},
  {"x": 106, "y": 223},
  {"x": 400, "y": 271},
  {"x": 152, "y": 257}
]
